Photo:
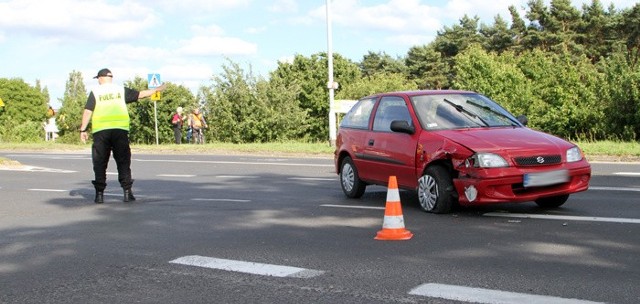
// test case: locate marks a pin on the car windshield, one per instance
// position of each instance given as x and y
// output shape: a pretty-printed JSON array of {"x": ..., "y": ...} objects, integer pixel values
[{"x": 457, "y": 111}]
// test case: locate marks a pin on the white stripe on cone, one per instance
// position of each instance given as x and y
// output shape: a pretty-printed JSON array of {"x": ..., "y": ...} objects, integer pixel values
[
  {"x": 393, "y": 222},
  {"x": 393, "y": 195}
]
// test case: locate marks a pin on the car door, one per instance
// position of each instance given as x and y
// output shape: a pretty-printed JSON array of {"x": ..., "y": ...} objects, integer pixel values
[
  {"x": 391, "y": 153},
  {"x": 354, "y": 132}
]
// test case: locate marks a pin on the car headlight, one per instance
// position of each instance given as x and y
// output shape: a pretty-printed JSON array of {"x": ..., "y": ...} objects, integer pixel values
[
  {"x": 489, "y": 160},
  {"x": 574, "y": 155}
]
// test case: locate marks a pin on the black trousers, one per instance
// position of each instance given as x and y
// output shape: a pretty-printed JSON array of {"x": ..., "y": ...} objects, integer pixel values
[
  {"x": 177, "y": 134},
  {"x": 104, "y": 142}
]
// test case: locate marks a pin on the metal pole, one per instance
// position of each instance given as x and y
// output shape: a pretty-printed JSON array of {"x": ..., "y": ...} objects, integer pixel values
[
  {"x": 155, "y": 116},
  {"x": 330, "y": 83}
]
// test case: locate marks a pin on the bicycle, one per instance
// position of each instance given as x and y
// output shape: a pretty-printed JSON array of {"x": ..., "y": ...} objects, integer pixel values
[{"x": 198, "y": 136}]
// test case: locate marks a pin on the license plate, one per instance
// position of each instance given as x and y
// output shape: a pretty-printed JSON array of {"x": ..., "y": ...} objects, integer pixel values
[{"x": 545, "y": 178}]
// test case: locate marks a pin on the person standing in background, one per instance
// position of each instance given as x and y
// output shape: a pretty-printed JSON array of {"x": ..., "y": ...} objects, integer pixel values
[
  {"x": 176, "y": 121},
  {"x": 106, "y": 109},
  {"x": 198, "y": 124}
]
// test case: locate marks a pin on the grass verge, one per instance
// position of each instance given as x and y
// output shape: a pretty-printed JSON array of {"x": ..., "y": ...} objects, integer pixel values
[
  {"x": 611, "y": 150},
  {"x": 601, "y": 150}
]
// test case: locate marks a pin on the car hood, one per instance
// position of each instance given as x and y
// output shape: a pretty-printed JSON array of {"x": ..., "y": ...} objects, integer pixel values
[{"x": 496, "y": 140}]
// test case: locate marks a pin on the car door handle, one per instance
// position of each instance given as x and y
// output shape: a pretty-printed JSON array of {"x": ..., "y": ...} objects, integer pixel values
[{"x": 371, "y": 141}]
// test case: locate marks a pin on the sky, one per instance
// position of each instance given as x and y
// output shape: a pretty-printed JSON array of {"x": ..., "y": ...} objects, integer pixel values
[{"x": 188, "y": 42}]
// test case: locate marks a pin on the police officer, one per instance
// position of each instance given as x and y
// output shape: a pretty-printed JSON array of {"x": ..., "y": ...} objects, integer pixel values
[{"x": 106, "y": 108}]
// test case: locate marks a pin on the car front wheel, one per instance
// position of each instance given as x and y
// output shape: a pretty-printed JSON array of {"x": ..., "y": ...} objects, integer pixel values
[
  {"x": 434, "y": 190},
  {"x": 553, "y": 201},
  {"x": 352, "y": 186}
]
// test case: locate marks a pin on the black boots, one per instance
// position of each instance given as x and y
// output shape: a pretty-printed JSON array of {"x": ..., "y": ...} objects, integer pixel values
[
  {"x": 128, "y": 195},
  {"x": 99, "y": 186},
  {"x": 99, "y": 197}
]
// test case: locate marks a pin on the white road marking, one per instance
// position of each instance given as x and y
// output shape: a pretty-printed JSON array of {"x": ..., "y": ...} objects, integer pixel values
[
  {"x": 51, "y": 170},
  {"x": 521, "y": 215},
  {"x": 35, "y": 169},
  {"x": 47, "y": 190},
  {"x": 487, "y": 296},
  {"x": 352, "y": 207},
  {"x": 565, "y": 217},
  {"x": 176, "y": 175},
  {"x": 233, "y": 162},
  {"x": 53, "y": 156},
  {"x": 312, "y": 178},
  {"x": 237, "y": 176},
  {"x": 615, "y": 189},
  {"x": 221, "y": 200},
  {"x": 247, "y": 267},
  {"x": 627, "y": 173}
]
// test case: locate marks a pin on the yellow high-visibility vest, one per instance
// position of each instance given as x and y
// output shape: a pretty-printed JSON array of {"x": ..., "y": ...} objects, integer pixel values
[{"x": 111, "y": 109}]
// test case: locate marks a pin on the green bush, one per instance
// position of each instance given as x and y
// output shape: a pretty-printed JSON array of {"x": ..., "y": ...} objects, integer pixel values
[{"x": 29, "y": 131}]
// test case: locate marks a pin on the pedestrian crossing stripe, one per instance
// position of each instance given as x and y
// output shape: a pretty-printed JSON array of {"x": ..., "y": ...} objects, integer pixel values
[{"x": 247, "y": 267}]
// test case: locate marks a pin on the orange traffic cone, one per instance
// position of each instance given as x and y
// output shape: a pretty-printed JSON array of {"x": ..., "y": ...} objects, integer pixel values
[{"x": 393, "y": 225}]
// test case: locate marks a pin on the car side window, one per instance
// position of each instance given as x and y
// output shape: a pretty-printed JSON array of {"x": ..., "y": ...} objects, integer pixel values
[
  {"x": 391, "y": 108},
  {"x": 358, "y": 116}
]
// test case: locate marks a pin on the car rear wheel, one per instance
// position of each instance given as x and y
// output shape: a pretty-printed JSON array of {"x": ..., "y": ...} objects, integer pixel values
[
  {"x": 434, "y": 190},
  {"x": 352, "y": 186},
  {"x": 552, "y": 202}
]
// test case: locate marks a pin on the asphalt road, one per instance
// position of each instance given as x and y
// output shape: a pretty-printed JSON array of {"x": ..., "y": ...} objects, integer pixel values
[{"x": 262, "y": 229}]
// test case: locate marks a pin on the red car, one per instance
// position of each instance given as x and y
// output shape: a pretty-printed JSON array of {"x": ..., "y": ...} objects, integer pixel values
[{"x": 454, "y": 147}]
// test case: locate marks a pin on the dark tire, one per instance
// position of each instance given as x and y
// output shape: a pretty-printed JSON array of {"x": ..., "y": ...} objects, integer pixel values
[
  {"x": 553, "y": 201},
  {"x": 435, "y": 189},
  {"x": 350, "y": 181}
]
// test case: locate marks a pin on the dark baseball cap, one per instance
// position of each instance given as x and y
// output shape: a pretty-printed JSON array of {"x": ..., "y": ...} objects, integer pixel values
[{"x": 103, "y": 73}]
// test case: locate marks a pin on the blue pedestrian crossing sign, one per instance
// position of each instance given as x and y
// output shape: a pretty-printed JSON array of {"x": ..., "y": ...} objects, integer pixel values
[{"x": 154, "y": 81}]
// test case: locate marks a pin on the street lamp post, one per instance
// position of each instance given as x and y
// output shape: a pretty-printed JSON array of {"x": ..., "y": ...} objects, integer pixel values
[{"x": 331, "y": 85}]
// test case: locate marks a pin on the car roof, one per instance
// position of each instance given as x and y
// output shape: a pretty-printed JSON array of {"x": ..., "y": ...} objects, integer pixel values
[{"x": 419, "y": 92}]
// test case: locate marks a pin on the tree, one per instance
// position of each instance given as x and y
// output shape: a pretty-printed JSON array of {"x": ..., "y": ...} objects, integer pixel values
[
  {"x": 284, "y": 119},
  {"x": 449, "y": 42},
  {"x": 24, "y": 112},
  {"x": 536, "y": 35},
  {"x": 231, "y": 103},
  {"x": 620, "y": 95},
  {"x": 499, "y": 37},
  {"x": 496, "y": 76},
  {"x": 44, "y": 91},
  {"x": 630, "y": 28},
  {"x": 597, "y": 29},
  {"x": 563, "y": 27},
  {"x": 452, "y": 40},
  {"x": 377, "y": 83},
  {"x": 69, "y": 116},
  {"x": 518, "y": 27},
  {"x": 427, "y": 67},
  {"x": 373, "y": 63},
  {"x": 245, "y": 108},
  {"x": 566, "y": 101},
  {"x": 310, "y": 75}
]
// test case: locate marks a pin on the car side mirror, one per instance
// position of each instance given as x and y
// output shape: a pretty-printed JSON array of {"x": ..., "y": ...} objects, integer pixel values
[
  {"x": 402, "y": 126},
  {"x": 523, "y": 119}
]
